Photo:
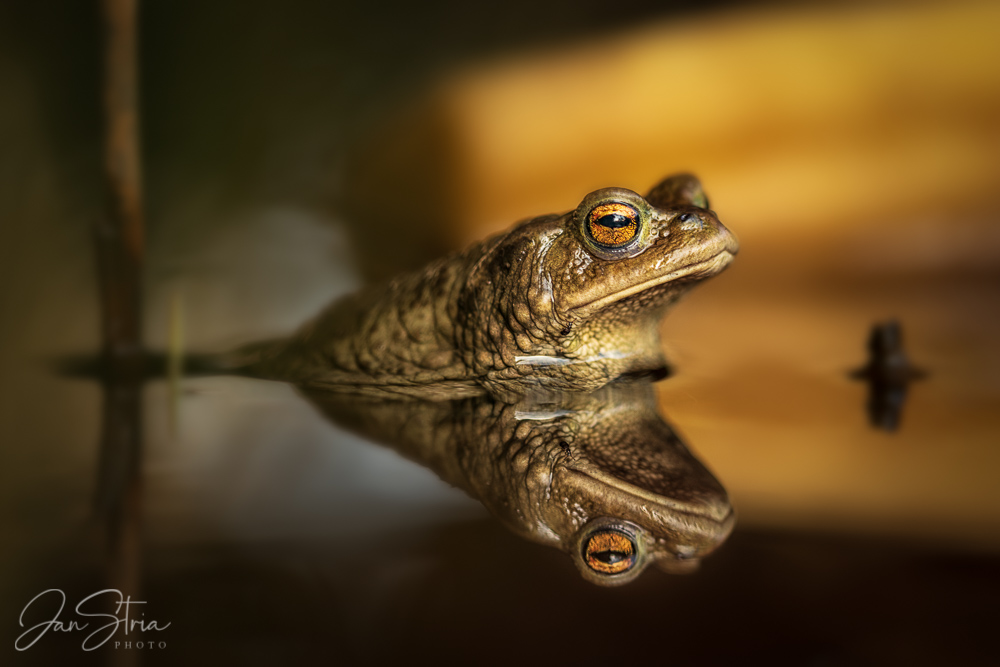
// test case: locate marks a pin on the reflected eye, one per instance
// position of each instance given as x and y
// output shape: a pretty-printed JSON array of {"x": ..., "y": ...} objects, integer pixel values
[
  {"x": 609, "y": 552},
  {"x": 613, "y": 225}
]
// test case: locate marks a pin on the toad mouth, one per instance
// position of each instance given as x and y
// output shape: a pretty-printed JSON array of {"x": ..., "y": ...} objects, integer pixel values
[
  {"x": 704, "y": 268},
  {"x": 717, "y": 514}
]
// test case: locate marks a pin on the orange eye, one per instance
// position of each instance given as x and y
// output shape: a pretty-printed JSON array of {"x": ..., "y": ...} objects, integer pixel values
[
  {"x": 609, "y": 552},
  {"x": 613, "y": 225}
]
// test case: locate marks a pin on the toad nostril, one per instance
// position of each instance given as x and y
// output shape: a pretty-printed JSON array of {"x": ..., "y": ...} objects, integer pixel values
[{"x": 689, "y": 221}]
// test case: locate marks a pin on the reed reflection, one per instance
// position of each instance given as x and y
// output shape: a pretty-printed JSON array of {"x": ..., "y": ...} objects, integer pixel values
[{"x": 601, "y": 476}]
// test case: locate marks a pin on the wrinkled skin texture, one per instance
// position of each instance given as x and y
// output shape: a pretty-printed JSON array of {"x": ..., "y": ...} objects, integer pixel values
[
  {"x": 540, "y": 306},
  {"x": 556, "y": 468}
]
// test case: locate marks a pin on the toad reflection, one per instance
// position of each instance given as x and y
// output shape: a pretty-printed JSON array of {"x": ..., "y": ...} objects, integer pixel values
[{"x": 598, "y": 475}]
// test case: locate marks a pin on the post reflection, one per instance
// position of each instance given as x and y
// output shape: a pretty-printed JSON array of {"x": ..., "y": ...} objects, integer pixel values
[
  {"x": 888, "y": 374},
  {"x": 601, "y": 476}
]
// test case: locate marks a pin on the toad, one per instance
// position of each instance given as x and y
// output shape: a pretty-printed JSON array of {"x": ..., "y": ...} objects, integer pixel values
[{"x": 565, "y": 301}]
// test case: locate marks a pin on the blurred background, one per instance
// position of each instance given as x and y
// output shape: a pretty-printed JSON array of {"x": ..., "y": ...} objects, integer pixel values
[{"x": 293, "y": 152}]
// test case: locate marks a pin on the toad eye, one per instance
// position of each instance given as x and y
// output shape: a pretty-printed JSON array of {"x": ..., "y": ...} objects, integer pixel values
[
  {"x": 613, "y": 225},
  {"x": 609, "y": 552}
]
